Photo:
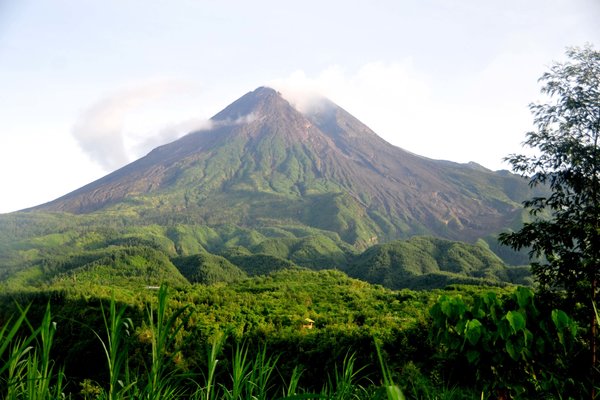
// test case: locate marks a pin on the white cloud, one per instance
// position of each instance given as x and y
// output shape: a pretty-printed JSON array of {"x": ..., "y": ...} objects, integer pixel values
[
  {"x": 385, "y": 83},
  {"x": 169, "y": 133},
  {"x": 128, "y": 123},
  {"x": 481, "y": 121}
]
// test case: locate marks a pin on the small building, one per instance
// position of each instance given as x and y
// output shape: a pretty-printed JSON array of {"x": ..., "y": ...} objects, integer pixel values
[{"x": 308, "y": 323}]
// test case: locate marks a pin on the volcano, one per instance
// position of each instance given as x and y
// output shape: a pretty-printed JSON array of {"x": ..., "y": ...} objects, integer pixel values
[{"x": 264, "y": 163}]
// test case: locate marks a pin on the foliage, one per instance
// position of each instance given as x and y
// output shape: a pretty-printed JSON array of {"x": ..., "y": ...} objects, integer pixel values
[
  {"x": 117, "y": 327},
  {"x": 392, "y": 391},
  {"x": 510, "y": 343},
  {"x": 28, "y": 371},
  {"x": 257, "y": 264},
  {"x": 217, "y": 341},
  {"x": 165, "y": 351}
]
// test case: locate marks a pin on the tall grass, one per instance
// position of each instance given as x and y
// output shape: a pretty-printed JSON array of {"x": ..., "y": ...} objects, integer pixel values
[
  {"x": 260, "y": 380},
  {"x": 9, "y": 340},
  {"x": 344, "y": 384},
  {"x": 291, "y": 388},
  {"x": 208, "y": 390},
  {"x": 240, "y": 373},
  {"x": 163, "y": 379},
  {"x": 28, "y": 371},
  {"x": 251, "y": 378},
  {"x": 392, "y": 390},
  {"x": 116, "y": 325}
]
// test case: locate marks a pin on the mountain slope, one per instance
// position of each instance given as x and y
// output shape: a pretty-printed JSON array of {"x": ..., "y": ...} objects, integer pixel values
[{"x": 264, "y": 163}]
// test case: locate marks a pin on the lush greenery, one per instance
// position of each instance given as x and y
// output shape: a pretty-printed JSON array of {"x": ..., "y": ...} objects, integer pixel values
[
  {"x": 516, "y": 345},
  {"x": 246, "y": 295},
  {"x": 425, "y": 262}
]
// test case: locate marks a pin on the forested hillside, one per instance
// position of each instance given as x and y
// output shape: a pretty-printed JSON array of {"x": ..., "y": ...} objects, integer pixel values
[{"x": 51, "y": 249}]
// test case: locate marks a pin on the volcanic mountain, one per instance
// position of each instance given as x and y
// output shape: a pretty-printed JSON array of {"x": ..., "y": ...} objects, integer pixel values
[{"x": 264, "y": 163}]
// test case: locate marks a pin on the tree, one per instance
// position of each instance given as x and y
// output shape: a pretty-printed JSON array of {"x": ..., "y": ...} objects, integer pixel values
[{"x": 564, "y": 231}]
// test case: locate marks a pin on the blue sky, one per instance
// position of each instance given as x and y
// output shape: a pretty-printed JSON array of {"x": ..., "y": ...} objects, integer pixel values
[{"x": 87, "y": 86}]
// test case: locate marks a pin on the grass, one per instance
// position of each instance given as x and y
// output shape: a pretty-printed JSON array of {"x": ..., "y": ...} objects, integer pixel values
[
  {"x": 116, "y": 355},
  {"x": 29, "y": 372},
  {"x": 392, "y": 390}
]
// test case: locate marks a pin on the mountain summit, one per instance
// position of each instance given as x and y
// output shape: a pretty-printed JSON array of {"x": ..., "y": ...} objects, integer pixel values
[{"x": 264, "y": 163}]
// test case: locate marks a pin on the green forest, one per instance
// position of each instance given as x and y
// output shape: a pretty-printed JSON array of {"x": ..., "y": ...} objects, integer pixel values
[{"x": 114, "y": 304}]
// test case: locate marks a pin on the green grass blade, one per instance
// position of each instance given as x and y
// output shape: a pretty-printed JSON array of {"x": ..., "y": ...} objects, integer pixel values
[{"x": 392, "y": 391}]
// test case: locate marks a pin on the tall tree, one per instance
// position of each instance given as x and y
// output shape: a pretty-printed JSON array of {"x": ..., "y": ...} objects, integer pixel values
[{"x": 564, "y": 231}]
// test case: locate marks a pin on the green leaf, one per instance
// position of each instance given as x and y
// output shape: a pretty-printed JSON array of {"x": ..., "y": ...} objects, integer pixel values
[
  {"x": 516, "y": 320},
  {"x": 452, "y": 307},
  {"x": 473, "y": 331},
  {"x": 446, "y": 305},
  {"x": 490, "y": 299},
  {"x": 524, "y": 297},
  {"x": 461, "y": 326},
  {"x": 527, "y": 336},
  {"x": 511, "y": 350},
  {"x": 560, "y": 319},
  {"x": 504, "y": 329}
]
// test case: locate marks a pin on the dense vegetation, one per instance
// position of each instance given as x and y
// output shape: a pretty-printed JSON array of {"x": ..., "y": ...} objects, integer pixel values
[
  {"x": 47, "y": 249},
  {"x": 504, "y": 340},
  {"x": 247, "y": 292}
]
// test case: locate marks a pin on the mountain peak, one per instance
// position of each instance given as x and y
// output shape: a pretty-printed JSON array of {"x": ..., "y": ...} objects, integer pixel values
[{"x": 260, "y": 101}]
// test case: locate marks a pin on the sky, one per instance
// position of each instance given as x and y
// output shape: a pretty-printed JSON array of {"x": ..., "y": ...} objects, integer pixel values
[{"x": 89, "y": 86}]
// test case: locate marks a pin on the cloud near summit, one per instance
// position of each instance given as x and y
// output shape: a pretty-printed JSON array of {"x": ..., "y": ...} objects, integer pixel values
[
  {"x": 421, "y": 113},
  {"x": 127, "y": 124},
  {"x": 368, "y": 93}
]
